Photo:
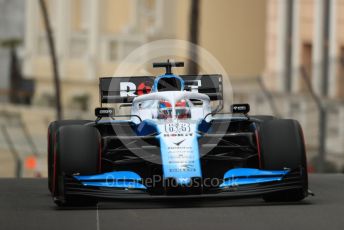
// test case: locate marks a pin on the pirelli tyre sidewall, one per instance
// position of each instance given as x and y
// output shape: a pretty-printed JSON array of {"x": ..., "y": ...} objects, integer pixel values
[
  {"x": 77, "y": 151},
  {"x": 52, "y": 129},
  {"x": 282, "y": 146}
]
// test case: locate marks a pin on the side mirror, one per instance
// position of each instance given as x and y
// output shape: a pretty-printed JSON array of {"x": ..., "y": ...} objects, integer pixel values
[
  {"x": 104, "y": 112},
  {"x": 240, "y": 108}
]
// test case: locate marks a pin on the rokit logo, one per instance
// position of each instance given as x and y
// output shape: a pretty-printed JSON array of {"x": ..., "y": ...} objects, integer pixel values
[
  {"x": 193, "y": 85},
  {"x": 130, "y": 89}
]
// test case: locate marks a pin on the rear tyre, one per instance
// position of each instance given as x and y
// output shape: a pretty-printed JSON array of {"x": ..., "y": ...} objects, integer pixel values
[
  {"x": 282, "y": 146},
  {"x": 52, "y": 129},
  {"x": 77, "y": 150}
]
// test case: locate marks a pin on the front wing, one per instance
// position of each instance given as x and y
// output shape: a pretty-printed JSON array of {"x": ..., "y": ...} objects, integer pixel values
[{"x": 290, "y": 180}]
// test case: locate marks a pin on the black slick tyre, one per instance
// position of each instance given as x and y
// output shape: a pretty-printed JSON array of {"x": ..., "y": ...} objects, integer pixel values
[
  {"x": 77, "y": 151},
  {"x": 282, "y": 146}
]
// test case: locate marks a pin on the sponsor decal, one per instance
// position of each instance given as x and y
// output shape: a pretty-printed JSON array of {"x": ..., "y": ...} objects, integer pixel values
[
  {"x": 127, "y": 89},
  {"x": 178, "y": 135},
  {"x": 193, "y": 85},
  {"x": 179, "y": 142},
  {"x": 177, "y": 127},
  {"x": 104, "y": 112},
  {"x": 143, "y": 89},
  {"x": 180, "y": 150},
  {"x": 240, "y": 108},
  {"x": 131, "y": 89}
]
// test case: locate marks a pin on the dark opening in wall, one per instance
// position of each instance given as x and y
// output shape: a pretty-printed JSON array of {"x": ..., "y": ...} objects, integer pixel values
[
  {"x": 306, "y": 60},
  {"x": 340, "y": 74}
]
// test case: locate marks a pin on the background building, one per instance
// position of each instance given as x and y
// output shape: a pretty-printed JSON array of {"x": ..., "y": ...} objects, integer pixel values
[
  {"x": 12, "y": 27},
  {"x": 308, "y": 35},
  {"x": 92, "y": 37}
]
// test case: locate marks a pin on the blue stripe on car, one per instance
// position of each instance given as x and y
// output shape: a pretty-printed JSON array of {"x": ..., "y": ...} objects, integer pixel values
[
  {"x": 118, "y": 179},
  {"x": 242, "y": 176}
]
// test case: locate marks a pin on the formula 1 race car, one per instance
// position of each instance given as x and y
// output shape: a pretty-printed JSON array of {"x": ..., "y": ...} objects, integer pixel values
[{"x": 174, "y": 144}]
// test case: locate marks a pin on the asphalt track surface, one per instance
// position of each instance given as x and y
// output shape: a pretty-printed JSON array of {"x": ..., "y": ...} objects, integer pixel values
[{"x": 26, "y": 204}]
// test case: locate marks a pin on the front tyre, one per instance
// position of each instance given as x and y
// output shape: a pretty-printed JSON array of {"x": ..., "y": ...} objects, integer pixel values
[
  {"x": 282, "y": 146},
  {"x": 77, "y": 150},
  {"x": 52, "y": 130}
]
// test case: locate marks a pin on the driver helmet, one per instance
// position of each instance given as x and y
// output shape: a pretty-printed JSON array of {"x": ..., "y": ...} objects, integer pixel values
[{"x": 182, "y": 110}]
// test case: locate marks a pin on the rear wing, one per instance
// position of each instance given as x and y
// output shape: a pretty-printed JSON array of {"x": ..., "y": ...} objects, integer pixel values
[{"x": 125, "y": 89}]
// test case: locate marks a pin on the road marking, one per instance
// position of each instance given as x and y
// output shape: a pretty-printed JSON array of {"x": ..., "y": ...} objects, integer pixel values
[{"x": 97, "y": 218}]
